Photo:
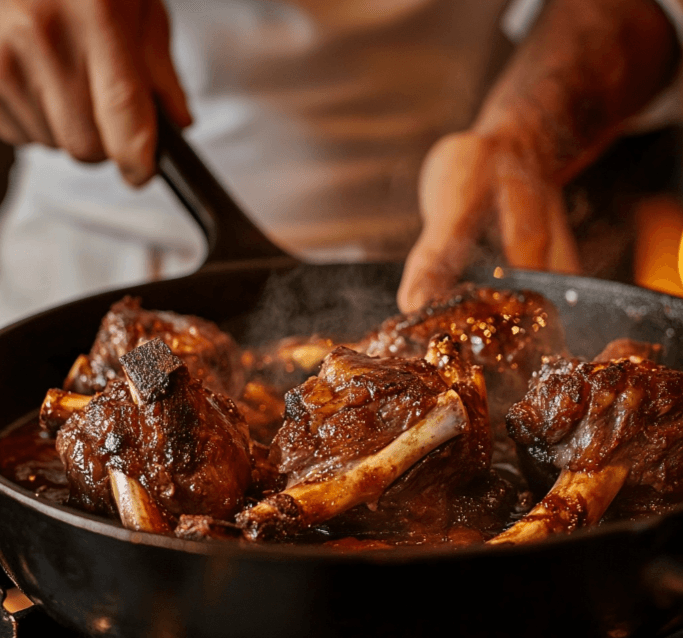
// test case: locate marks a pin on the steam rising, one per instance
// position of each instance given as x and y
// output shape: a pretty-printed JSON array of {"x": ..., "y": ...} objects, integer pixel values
[{"x": 342, "y": 303}]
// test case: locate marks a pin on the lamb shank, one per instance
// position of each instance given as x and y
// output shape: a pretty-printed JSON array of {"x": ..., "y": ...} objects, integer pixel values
[
  {"x": 365, "y": 422},
  {"x": 506, "y": 332},
  {"x": 159, "y": 443},
  {"x": 608, "y": 428}
]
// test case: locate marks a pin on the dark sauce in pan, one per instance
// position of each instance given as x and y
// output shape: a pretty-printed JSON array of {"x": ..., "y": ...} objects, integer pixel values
[{"x": 28, "y": 458}]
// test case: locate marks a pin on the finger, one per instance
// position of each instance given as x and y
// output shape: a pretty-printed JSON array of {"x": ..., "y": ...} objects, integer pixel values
[
  {"x": 454, "y": 192},
  {"x": 22, "y": 111},
  {"x": 11, "y": 131},
  {"x": 431, "y": 268},
  {"x": 70, "y": 115},
  {"x": 59, "y": 69},
  {"x": 535, "y": 232},
  {"x": 162, "y": 73},
  {"x": 122, "y": 100},
  {"x": 523, "y": 217},
  {"x": 563, "y": 254}
]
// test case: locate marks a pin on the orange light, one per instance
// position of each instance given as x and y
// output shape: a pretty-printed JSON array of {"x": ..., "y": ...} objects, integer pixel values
[
  {"x": 657, "y": 257},
  {"x": 16, "y": 601}
]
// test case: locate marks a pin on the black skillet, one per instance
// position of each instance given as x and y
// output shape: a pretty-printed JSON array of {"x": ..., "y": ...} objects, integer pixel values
[{"x": 94, "y": 576}]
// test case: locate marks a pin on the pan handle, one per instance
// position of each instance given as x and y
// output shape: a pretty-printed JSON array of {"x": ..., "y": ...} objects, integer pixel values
[
  {"x": 31, "y": 621},
  {"x": 231, "y": 235},
  {"x": 8, "y": 624}
]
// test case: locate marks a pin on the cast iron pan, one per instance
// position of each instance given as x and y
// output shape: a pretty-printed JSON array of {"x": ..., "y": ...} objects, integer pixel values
[{"x": 94, "y": 576}]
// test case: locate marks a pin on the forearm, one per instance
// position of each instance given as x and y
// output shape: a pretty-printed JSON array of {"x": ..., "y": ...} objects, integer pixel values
[{"x": 587, "y": 66}]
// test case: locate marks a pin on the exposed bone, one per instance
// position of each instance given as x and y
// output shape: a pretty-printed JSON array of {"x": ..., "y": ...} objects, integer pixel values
[
  {"x": 135, "y": 506},
  {"x": 307, "y": 504},
  {"x": 578, "y": 499},
  {"x": 80, "y": 369},
  {"x": 148, "y": 370},
  {"x": 58, "y": 406}
]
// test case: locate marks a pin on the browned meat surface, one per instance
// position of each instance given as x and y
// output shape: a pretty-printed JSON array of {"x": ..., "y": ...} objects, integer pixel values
[
  {"x": 508, "y": 333},
  {"x": 389, "y": 445},
  {"x": 607, "y": 428},
  {"x": 365, "y": 422},
  {"x": 625, "y": 348},
  {"x": 583, "y": 416},
  {"x": 184, "y": 445},
  {"x": 210, "y": 354},
  {"x": 498, "y": 329},
  {"x": 354, "y": 407}
]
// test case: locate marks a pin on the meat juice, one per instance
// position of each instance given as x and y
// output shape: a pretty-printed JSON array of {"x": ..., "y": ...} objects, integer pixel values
[{"x": 28, "y": 458}]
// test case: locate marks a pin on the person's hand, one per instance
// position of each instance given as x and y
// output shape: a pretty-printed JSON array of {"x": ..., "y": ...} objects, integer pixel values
[
  {"x": 470, "y": 186},
  {"x": 83, "y": 75}
]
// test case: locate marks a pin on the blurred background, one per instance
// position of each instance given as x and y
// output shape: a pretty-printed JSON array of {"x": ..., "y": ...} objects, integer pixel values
[{"x": 317, "y": 117}]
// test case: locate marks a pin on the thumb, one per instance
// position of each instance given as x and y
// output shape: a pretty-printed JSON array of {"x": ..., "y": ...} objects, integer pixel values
[
  {"x": 122, "y": 99},
  {"x": 432, "y": 266},
  {"x": 454, "y": 190},
  {"x": 163, "y": 77}
]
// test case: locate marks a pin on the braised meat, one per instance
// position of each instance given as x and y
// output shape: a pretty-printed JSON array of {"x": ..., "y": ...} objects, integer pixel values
[
  {"x": 211, "y": 355},
  {"x": 625, "y": 348},
  {"x": 582, "y": 416},
  {"x": 508, "y": 333},
  {"x": 262, "y": 407},
  {"x": 363, "y": 423},
  {"x": 160, "y": 434},
  {"x": 498, "y": 329},
  {"x": 607, "y": 427},
  {"x": 390, "y": 444}
]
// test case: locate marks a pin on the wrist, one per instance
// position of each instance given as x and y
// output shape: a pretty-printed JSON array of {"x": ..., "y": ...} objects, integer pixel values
[
  {"x": 559, "y": 101},
  {"x": 540, "y": 140},
  {"x": 523, "y": 136}
]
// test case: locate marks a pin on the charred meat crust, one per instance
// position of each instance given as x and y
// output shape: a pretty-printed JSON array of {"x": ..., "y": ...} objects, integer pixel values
[
  {"x": 187, "y": 447},
  {"x": 584, "y": 416},
  {"x": 211, "y": 355},
  {"x": 282, "y": 518},
  {"x": 148, "y": 370}
]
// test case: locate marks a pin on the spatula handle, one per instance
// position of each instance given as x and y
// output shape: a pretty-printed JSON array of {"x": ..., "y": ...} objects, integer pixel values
[{"x": 231, "y": 235}]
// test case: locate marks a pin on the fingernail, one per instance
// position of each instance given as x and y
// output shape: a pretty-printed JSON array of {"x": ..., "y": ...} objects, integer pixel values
[
  {"x": 134, "y": 175},
  {"x": 412, "y": 299},
  {"x": 186, "y": 120}
]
